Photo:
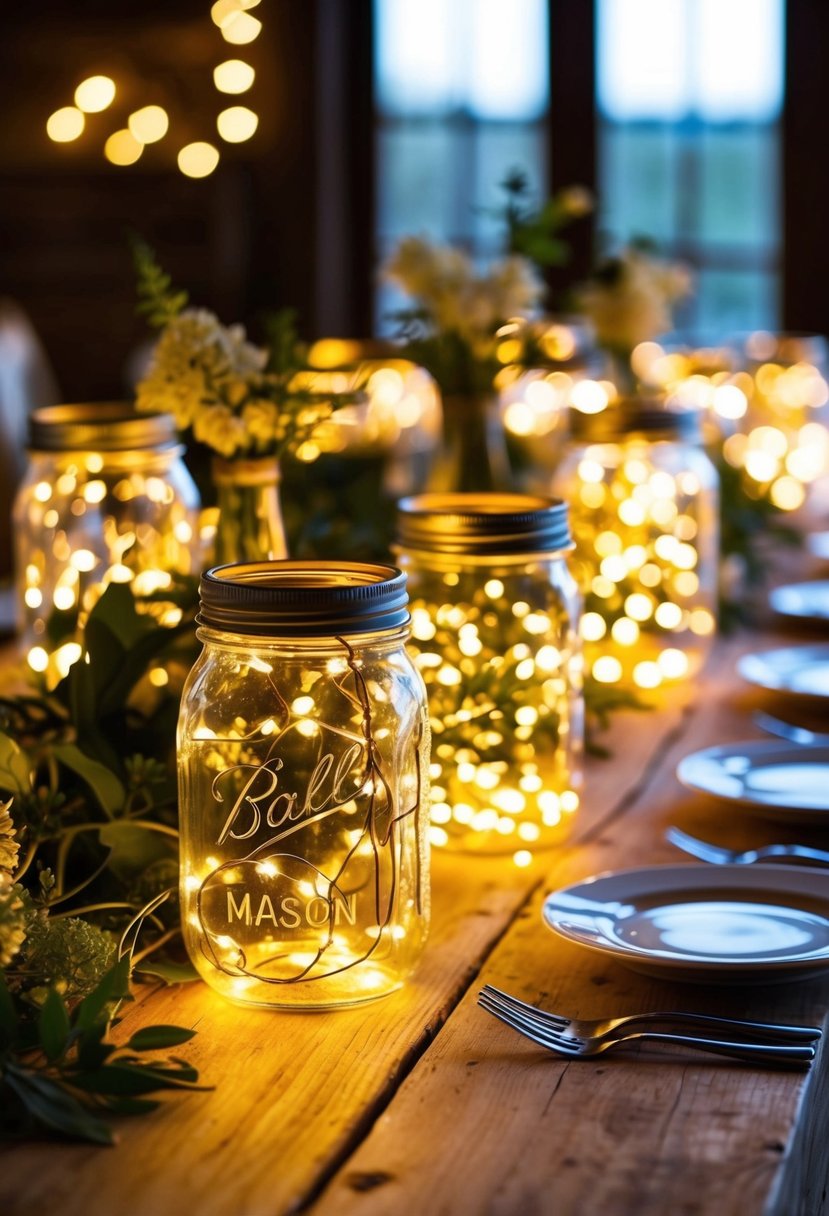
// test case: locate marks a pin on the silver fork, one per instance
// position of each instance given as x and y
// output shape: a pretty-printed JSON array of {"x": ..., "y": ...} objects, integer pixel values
[
  {"x": 720, "y": 856},
  {"x": 607, "y": 1028},
  {"x": 776, "y": 1055},
  {"x": 787, "y": 730}
]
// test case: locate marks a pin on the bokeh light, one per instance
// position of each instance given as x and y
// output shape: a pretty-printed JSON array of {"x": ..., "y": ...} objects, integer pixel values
[
  {"x": 198, "y": 159},
  {"x": 95, "y": 94}
]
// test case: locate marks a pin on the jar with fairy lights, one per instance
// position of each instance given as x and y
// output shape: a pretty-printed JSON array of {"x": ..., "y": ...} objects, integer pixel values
[
  {"x": 645, "y": 514},
  {"x": 495, "y": 630},
  {"x": 303, "y": 750},
  {"x": 106, "y": 498}
]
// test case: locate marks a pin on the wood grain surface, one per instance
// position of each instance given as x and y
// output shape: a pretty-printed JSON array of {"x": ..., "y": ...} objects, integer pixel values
[{"x": 425, "y": 1104}]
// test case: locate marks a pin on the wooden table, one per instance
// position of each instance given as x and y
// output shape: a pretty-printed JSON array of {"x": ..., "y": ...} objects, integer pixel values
[{"x": 425, "y": 1104}]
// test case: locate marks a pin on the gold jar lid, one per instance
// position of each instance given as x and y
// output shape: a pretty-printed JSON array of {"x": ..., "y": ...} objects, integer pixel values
[
  {"x": 104, "y": 426},
  {"x": 303, "y": 598},
  {"x": 483, "y": 524},
  {"x": 646, "y": 416}
]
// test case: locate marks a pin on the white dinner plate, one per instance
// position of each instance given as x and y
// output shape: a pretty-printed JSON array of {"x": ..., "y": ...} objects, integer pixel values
[
  {"x": 778, "y": 780},
  {"x": 736, "y": 924},
  {"x": 803, "y": 601},
  {"x": 800, "y": 670},
  {"x": 818, "y": 544}
]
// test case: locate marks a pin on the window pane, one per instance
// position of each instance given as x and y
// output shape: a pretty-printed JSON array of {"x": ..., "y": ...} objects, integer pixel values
[
  {"x": 738, "y": 195},
  {"x": 738, "y": 69},
  {"x": 482, "y": 56},
  {"x": 731, "y": 301},
  {"x": 638, "y": 173},
  {"x": 690, "y": 93}
]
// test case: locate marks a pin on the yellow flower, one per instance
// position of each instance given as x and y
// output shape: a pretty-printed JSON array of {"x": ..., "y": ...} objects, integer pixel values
[{"x": 9, "y": 848}]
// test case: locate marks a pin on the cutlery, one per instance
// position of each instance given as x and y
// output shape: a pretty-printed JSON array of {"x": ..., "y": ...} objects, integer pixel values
[
  {"x": 607, "y": 1028},
  {"x": 767, "y": 852},
  {"x": 776, "y": 1054},
  {"x": 787, "y": 730}
]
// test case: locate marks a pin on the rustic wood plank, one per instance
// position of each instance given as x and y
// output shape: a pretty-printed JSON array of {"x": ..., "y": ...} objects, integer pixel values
[
  {"x": 487, "y": 1123},
  {"x": 296, "y": 1093}
]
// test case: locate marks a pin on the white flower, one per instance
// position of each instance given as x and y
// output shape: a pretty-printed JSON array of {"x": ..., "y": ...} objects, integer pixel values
[
  {"x": 262, "y": 421},
  {"x": 220, "y": 429},
  {"x": 634, "y": 305},
  {"x": 456, "y": 298}
]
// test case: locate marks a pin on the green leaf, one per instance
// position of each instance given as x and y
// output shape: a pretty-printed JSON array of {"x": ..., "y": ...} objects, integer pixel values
[
  {"x": 52, "y": 1107},
  {"x": 15, "y": 767},
  {"x": 114, "y": 986},
  {"x": 171, "y": 973},
  {"x": 133, "y": 849},
  {"x": 130, "y": 1106},
  {"x": 104, "y": 784},
  {"x": 153, "y": 1038},
  {"x": 53, "y": 1025},
  {"x": 92, "y": 1050},
  {"x": 125, "y": 1078}
]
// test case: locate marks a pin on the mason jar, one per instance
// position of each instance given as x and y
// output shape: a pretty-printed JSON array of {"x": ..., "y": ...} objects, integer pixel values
[
  {"x": 106, "y": 498},
  {"x": 644, "y": 502},
  {"x": 303, "y": 751},
  {"x": 495, "y": 614}
]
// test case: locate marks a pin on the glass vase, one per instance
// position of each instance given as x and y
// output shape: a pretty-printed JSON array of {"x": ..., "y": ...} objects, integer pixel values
[
  {"x": 472, "y": 456},
  {"x": 250, "y": 525}
]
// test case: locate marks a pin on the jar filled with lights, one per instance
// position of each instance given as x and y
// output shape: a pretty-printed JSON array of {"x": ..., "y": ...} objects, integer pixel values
[
  {"x": 495, "y": 613},
  {"x": 303, "y": 751},
  {"x": 106, "y": 498},
  {"x": 645, "y": 513}
]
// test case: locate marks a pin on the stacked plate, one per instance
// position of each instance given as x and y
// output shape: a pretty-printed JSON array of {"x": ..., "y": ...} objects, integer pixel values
[{"x": 729, "y": 924}]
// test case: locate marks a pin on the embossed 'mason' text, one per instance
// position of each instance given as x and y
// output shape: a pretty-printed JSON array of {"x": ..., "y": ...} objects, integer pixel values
[{"x": 289, "y": 912}]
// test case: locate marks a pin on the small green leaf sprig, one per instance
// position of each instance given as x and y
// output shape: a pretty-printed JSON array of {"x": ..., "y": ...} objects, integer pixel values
[
  {"x": 60, "y": 1072},
  {"x": 242, "y": 401}
]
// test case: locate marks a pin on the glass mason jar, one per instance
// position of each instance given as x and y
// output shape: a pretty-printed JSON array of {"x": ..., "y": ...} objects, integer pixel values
[
  {"x": 303, "y": 749},
  {"x": 495, "y": 627},
  {"x": 644, "y": 497},
  {"x": 106, "y": 498}
]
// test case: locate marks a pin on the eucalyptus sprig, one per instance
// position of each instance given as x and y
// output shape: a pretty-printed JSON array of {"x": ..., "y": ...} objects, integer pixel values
[{"x": 62, "y": 1074}]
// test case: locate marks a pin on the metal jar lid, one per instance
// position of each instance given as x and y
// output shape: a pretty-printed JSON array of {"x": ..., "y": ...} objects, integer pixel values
[
  {"x": 648, "y": 417},
  {"x": 483, "y": 524},
  {"x": 106, "y": 426},
  {"x": 297, "y": 599}
]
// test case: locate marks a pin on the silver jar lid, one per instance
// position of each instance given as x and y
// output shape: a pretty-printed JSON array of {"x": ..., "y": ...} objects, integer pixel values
[
  {"x": 483, "y": 524},
  {"x": 303, "y": 598},
  {"x": 105, "y": 426}
]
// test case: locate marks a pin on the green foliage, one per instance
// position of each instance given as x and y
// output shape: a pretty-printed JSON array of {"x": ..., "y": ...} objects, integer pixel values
[
  {"x": 532, "y": 230},
  {"x": 750, "y": 526},
  {"x": 90, "y": 769},
  {"x": 158, "y": 301},
  {"x": 60, "y": 1072}
]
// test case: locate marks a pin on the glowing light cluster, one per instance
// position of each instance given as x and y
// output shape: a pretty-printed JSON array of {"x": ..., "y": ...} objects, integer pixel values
[
  {"x": 299, "y": 893},
  {"x": 401, "y": 409},
  {"x": 502, "y": 668},
  {"x": 150, "y": 124},
  {"x": 86, "y": 521},
  {"x": 769, "y": 416},
  {"x": 644, "y": 517}
]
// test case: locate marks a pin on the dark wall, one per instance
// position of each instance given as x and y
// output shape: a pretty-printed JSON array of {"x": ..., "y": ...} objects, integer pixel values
[{"x": 246, "y": 239}]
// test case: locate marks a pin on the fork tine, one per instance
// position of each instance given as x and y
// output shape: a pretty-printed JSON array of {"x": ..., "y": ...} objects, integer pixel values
[
  {"x": 518, "y": 1017},
  {"x": 536, "y": 1035},
  {"x": 551, "y": 1019},
  {"x": 696, "y": 847}
]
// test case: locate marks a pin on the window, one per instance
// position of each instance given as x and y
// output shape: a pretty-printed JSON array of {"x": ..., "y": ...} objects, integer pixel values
[
  {"x": 462, "y": 94},
  {"x": 689, "y": 100}
]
